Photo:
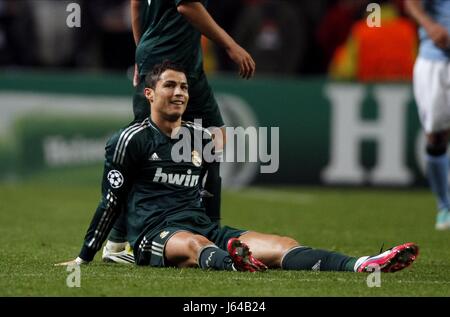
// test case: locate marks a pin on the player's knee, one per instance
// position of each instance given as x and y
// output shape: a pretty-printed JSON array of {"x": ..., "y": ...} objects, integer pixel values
[
  {"x": 287, "y": 243},
  {"x": 436, "y": 149},
  {"x": 194, "y": 244},
  {"x": 279, "y": 249}
]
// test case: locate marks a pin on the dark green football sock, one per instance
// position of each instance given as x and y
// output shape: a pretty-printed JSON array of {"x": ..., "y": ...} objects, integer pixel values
[
  {"x": 304, "y": 258},
  {"x": 213, "y": 185},
  {"x": 118, "y": 232},
  {"x": 212, "y": 257}
]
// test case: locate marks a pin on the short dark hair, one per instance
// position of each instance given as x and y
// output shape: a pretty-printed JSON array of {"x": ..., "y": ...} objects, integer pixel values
[{"x": 152, "y": 78}]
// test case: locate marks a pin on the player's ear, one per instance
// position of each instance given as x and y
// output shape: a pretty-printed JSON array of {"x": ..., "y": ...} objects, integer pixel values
[{"x": 149, "y": 94}]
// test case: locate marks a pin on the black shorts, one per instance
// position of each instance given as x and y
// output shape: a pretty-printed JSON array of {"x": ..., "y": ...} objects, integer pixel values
[{"x": 150, "y": 250}]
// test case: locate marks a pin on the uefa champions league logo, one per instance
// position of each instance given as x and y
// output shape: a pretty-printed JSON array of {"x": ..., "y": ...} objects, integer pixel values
[{"x": 115, "y": 178}]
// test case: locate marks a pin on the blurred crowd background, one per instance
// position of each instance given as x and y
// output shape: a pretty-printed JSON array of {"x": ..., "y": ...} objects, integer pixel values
[
  {"x": 288, "y": 37},
  {"x": 317, "y": 59}
]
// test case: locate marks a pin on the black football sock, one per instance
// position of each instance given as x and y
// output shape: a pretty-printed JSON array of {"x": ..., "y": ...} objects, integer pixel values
[
  {"x": 118, "y": 232},
  {"x": 212, "y": 257},
  {"x": 304, "y": 258}
]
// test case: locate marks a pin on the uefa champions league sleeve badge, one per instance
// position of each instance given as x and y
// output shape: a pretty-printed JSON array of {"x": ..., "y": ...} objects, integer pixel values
[{"x": 115, "y": 178}]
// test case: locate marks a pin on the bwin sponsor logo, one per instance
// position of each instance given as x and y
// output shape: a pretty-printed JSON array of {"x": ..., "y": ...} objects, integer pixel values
[{"x": 187, "y": 180}]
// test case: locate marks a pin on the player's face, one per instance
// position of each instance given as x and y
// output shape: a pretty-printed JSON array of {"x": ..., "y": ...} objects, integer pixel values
[{"x": 170, "y": 96}]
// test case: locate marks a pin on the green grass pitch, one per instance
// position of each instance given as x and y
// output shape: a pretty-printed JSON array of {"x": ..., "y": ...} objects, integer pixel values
[{"x": 42, "y": 223}]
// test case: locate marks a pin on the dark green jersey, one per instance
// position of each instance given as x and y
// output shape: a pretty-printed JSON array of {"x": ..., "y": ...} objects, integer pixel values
[
  {"x": 157, "y": 186},
  {"x": 166, "y": 34}
]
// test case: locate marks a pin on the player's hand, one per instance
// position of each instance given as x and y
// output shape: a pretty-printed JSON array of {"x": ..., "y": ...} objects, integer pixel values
[
  {"x": 135, "y": 76},
  {"x": 242, "y": 58},
  {"x": 77, "y": 261},
  {"x": 439, "y": 35}
]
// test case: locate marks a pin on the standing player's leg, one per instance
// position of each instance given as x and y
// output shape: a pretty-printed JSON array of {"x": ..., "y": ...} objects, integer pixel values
[
  {"x": 141, "y": 106},
  {"x": 212, "y": 189},
  {"x": 437, "y": 173},
  {"x": 117, "y": 249},
  {"x": 203, "y": 105},
  {"x": 433, "y": 102}
]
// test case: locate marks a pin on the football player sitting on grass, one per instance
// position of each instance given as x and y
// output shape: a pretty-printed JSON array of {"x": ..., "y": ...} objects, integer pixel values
[{"x": 167, "y": 223}]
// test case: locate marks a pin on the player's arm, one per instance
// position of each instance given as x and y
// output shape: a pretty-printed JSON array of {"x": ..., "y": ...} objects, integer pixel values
[
  {"x": 135, "y": 7},
  {"x": 198, "y": 16},
  {"x": 438, "y": 33},
  {"x": 117, "y": 179},
  {"x": 136, "y": 20}
]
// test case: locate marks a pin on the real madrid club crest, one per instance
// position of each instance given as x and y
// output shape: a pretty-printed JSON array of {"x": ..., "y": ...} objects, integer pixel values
[{"x": 196, "y": 158}]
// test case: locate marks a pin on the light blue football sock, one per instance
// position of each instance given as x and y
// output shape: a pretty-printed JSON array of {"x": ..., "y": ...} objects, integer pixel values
[{"x": 437, "y": 171}]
